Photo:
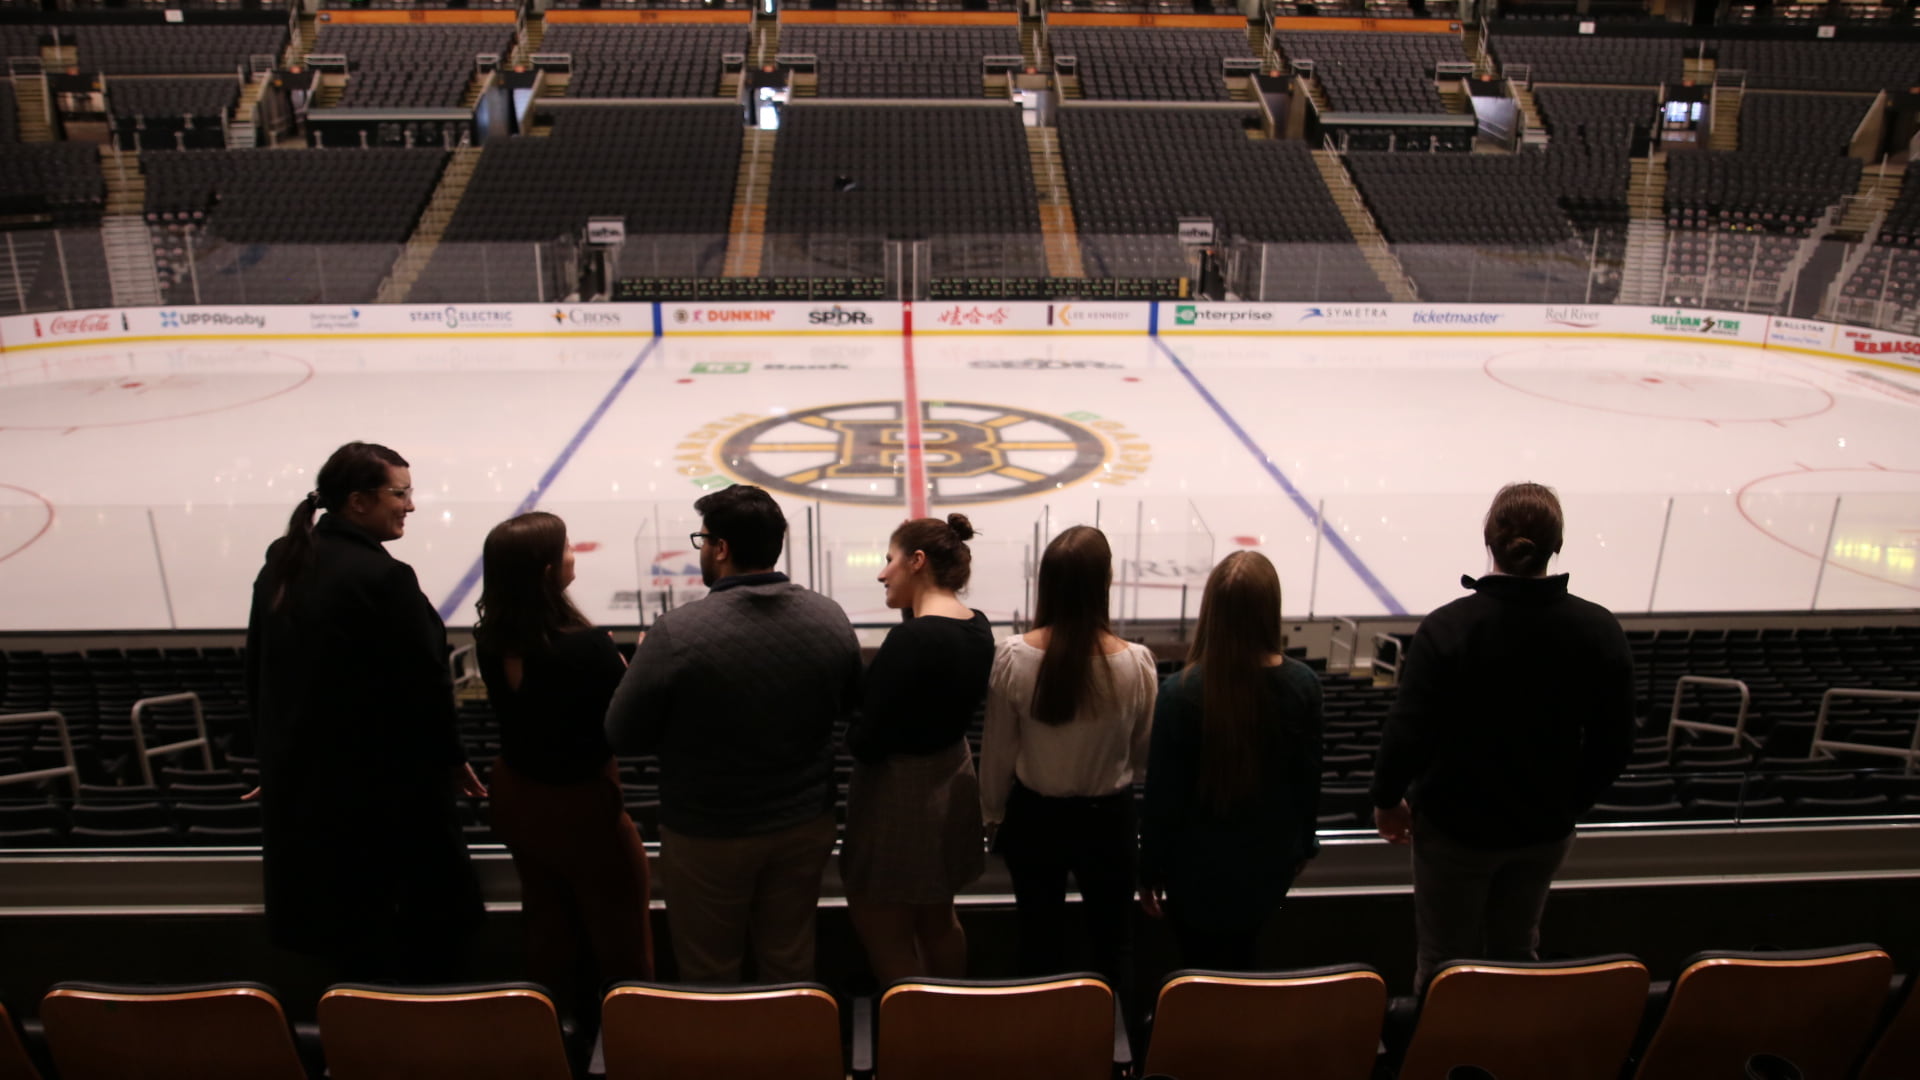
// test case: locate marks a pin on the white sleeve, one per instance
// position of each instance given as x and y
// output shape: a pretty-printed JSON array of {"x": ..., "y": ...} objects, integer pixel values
[
  {"x": 1000, "y": 742},
  {"x": 1143, "y": 720}
]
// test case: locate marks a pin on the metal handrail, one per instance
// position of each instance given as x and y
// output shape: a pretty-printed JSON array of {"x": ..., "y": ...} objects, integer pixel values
[
  {"x": 1739, "y": 728},
  {"x": 146, "y": 754},
  {"x": 463, "y": 664},
  {"x": 1351, "y": 641},
  {"x": 1399, "y": 654},
  {"x": 1911, "y": 755},
  {"x": 71, "y": 770}
]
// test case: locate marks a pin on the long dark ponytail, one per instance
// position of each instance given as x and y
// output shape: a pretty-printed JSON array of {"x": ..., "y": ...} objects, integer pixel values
[
  {"x": 357, "y": 466},
  {"x": 1070, "y": 602}
]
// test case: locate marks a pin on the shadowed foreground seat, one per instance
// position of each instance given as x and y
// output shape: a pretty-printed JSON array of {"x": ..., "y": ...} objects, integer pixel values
[
  {"x": 214, "y": 1031},
  {"x": 663, "y": 1032},
  {"x": 1321, "y": 1022}
]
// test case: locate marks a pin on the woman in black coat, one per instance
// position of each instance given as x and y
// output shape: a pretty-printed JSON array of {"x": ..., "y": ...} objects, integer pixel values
[{"x": 359, "y": 747}]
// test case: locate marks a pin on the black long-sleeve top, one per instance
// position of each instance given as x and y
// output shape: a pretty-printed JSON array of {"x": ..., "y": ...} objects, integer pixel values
[
  {"x": 924, "y": 687},
  {"x": 1515, "y": 713},
  {"x": 1251, "y": 852},
  {"x": 553, "y": 727}
]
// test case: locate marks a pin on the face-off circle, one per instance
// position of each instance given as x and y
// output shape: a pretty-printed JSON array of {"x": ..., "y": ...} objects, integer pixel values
[
  {"x": 25, "y": 517},
  {"x": 1877, "y": 533},
  {"x": 118, "y": 389},
  {"x": 857, "y": 452},
  {"x": 1674, "y": 382}
]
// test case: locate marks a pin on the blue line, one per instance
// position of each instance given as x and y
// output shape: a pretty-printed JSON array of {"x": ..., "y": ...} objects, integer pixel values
[
  {"x": 1353, "y": 560},
  {"x": 656, "y": 318},
  {"x": 1153, "y": 319},
  {"x": 472, "y": 576}
]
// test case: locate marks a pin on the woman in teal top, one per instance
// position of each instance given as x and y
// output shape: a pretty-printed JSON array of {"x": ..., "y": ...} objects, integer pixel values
[{"x": 1233, "y": 777}]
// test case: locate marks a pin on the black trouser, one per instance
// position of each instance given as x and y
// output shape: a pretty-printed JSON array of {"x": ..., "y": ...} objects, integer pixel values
[
  {"x": 1218, "y": 941},
  {"x": 1043, "y": 840}
]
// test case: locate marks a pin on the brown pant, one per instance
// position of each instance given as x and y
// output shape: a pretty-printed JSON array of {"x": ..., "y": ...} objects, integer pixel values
[
  {"x": 723, "y": 891},
  {"x": 583, "y": 876}
]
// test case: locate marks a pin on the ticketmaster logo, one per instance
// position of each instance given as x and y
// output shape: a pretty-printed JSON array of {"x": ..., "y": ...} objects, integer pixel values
[{"x": 1455, "y": 318}]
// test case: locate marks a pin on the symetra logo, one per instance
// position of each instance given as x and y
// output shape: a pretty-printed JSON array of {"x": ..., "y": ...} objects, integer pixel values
[
  {"x": 456, "y": 318},
  {"x": 1203, "y": 315},
  {"x": 181, "y": 320},
  {"x": 1347, "y": 313},
  {"x": 1708, "y": 325},
  {"x": 335, "y": 320},
  {"x": 587, "y": 318},
  {"x": 839, "y": 316},
  {"x": 1580, "y": 318},
  {"x": 1455, "y": 318}
]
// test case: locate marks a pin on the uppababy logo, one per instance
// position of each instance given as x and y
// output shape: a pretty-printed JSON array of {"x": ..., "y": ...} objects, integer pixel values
[
  {"x": 1698, "y": 324},
  {"x": 1346, "y": 313},
  {"x": 839, "y": 316},
  {"x": 181, "y": 320},
  {"x": 1196, "y": 315},
  {"x": 471, "y": 318},
  {"x": 1455, "y": 318}
]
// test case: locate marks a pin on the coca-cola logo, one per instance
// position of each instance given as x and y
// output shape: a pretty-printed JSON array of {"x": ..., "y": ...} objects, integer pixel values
[{"x": 96, "y": 323}]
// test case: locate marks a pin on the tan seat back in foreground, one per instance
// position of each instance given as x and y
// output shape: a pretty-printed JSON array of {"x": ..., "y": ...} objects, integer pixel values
[
  {"x": 502, "y": 1031},
  {"x": 1321, "y": 1022},
  {"x": 202, "y": 1032},
  {"x": 1572, "y": 1021},
  {"x": 953, "y": 1029},
  {"x": 660, "y": 1032},
  {"x": 1896, "y": 1056}
]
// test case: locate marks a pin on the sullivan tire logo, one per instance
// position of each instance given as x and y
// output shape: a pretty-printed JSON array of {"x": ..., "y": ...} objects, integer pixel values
[{"x": 857, "y": 452}]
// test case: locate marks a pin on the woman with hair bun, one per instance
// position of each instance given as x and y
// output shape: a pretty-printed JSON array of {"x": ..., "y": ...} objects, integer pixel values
[
  {"x": 360, "y": 754},
  {"x": 913, "y": 806},
  {"x": 1514, "y": 715}
]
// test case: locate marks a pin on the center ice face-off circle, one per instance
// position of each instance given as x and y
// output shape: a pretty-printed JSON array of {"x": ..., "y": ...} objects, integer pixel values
[
  {"x": 857, "y": 452},
  {"x": 123, "y": 389}
]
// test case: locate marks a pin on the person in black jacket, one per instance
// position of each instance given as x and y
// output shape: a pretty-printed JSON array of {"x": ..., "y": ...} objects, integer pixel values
[
  {"x": 556, "y": 788},
  {"x": 1515, "y": 713},
  {"x": 360, "y": 754},
  {"x": 1233, "y": 778},
  {"x": 913, "y": 805}
]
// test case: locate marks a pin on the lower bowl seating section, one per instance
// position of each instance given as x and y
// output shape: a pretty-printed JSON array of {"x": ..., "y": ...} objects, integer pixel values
[
  {"x": 900, "y": 61},
  {"x": 283, "y": 226},
  {"x": 1147, "y": 7},
  {"x": 160, "y": 114},
  {"x": 1622, "y": 61},
  {"x": 1863, "y": 66},
  {"x": 1738, "y": 219},
  {"x": 1151, "y": 65},
  {"x": 59, "y": 269},
  {"x": 611, "y": 61},
  {"x": 1591, "y": 133},
  {"x": 190, "y": 49},
  {"x": 19, "y": 39},
  {"x": 1783, "y": 123},
  {"x": 1888, "y": 279},
  {"x": 9, "y": 116},
  {"x": 1375, "y": 73},
  {"x": 58, "y": 179},
  {"x": 849, "y": 178},
  {"x": 1132, "y": 175},
  {"x": 392, "y": 67},
  {"x": 667, "y": 170},
  {"x": 1476, "y": 228}
]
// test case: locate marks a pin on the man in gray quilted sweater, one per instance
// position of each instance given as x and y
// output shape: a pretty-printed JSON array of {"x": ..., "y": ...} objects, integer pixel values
[{"x": 738, "y": 694}]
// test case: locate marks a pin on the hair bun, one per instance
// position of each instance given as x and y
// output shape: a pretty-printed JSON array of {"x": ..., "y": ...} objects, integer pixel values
[
  {"x": 1519, "y": 544},
  {"x": 962, "y": 528}
]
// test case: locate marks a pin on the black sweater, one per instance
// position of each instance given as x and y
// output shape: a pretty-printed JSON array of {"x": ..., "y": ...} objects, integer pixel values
[
  {"x": 924, "y": 687},
  {"x": 1515, "y": 713},
  {"x": 553, "y": 728}
]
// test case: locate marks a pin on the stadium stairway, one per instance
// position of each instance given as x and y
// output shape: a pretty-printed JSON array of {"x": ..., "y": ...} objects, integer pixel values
[
  {"x": 1057, "y": 227},
  {"x": 129, "y": 247},
  {"x": 1726, "y": 100},
  {"x": 1033, "y": 43},
  {"x": 1646, "y": 231},
  {"x": 1366, "y": 232},
  {"x": 747, "y": 229},
  {"x": 60, "y": 56},
  {"x": 1533, "y": 132},
  {"x": 1315, "y": 94},
  {"x": 297, "y": 43},
  {"x": 241, "y": 134},
  {"x": 30, "y": 107},
  {"x": 766, "y": 41},
  {"x": 431, "y": 226},
  {"x": 530, "y": 38},
  {"x": 1454, "y": 93}
]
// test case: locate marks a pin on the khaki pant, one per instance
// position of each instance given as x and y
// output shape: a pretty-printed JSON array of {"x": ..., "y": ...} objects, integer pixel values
[
  {"x": 724, "y": 892},
  {"x": 1478, "y": 903}
]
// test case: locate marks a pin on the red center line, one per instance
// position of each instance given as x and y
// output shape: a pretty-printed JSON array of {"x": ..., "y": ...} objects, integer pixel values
[{"x": 916, "y": 450}]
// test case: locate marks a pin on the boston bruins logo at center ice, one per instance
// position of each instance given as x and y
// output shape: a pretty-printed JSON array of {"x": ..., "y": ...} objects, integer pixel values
[{"x": 974, "y": 452}]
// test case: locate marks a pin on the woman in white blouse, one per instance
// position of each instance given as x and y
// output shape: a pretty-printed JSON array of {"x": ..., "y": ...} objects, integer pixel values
[{"x": 1069, "y": 715}]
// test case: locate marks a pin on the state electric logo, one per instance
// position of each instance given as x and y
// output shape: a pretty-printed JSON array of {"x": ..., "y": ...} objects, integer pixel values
[{"x": 857, "y": 452}]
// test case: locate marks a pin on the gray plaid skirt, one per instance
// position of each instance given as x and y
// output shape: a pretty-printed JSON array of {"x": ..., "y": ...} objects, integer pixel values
[{"x": 913, "y": 828}]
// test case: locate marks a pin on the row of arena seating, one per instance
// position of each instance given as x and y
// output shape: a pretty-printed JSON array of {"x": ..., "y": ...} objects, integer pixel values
[
  {"x": 392, "y": 66},
  {"x": 1891, "y": 270},
  {"x": 1783, "y": 124},
  {"x": 1375, "y": 72},
  {"x": 1850, "y": 65},
  {"x": 1827, "y": 1012},
  {"x": 611, "y": 61},
  {"x": 1150, "y": 65},
  {"x": 898, "y": 61},
  {"x": 59, "y": 179}
]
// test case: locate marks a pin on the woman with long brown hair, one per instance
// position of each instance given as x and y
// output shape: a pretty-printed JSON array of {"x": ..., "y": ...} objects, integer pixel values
[
  {"x": 556, "y": 786},
  {"x": 1069, "y": 710},
  {"x": 1234, "y": 774}
]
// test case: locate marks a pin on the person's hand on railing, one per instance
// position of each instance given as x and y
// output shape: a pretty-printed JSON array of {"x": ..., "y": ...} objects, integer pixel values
[{"x": 1395, "y": 823}]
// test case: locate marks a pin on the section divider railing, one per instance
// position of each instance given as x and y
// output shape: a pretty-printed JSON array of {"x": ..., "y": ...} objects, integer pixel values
[
  {"x": 71, "y": 770},
  {"x": 1822, "y": 744},
  {"x": 145, "y": 754},
  {"x": 1739, "y": 728}
]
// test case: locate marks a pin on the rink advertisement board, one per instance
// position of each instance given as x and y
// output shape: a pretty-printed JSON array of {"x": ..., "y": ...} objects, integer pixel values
[
  {"x": 1028, "y": 317},
  {"x": 284, "y": 321},
  {"x": 781, "y": 317}
]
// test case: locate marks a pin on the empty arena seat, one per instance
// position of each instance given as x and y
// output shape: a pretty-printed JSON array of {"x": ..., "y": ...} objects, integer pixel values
[
  {"x": 1629, "y": 61},
  {"x": 1571, "y": 1019},
  {"x": 1375, "y": 72},
  {"x": 398, "y": 66},
  {"x": 1800, "y": 124},
  {"x": 1060, "y": 1028},
  {"x": 614, "y": 61},
  {"x": 1814, "y": 1007},
  {"x": 1125, "y": 64},
  {"x": 1896, "y": 1049},
  {"x": 661, "y": 1032},
  {"x": 1862, "y": 66},
  {"x": 159, "y": 49},
  {"x": 100, "y": 1031},
  {"x": 1322, "y": 1022},
  {"x": 899, "y": 61},
  {"x": 507, "y": 1031}
]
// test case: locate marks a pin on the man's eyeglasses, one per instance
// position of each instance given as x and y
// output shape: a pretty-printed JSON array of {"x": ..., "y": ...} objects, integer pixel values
[{"x": 699, "y": 539}]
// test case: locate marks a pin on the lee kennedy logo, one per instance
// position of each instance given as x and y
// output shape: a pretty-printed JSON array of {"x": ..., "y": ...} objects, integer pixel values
[
  {"x": 1580, "y": 318},
  {"x": 1068, "y": 315},
  {"x": 1708, "y": 325},
  {"x": 587, "y": 318},
  {"x": 1196, "y": 314},
  {"x": 722, "y": 315},
  {"x": 839, "y": 316},
  {"x": 471, "y": 318},
  {"x": 68, "y": 325}
]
